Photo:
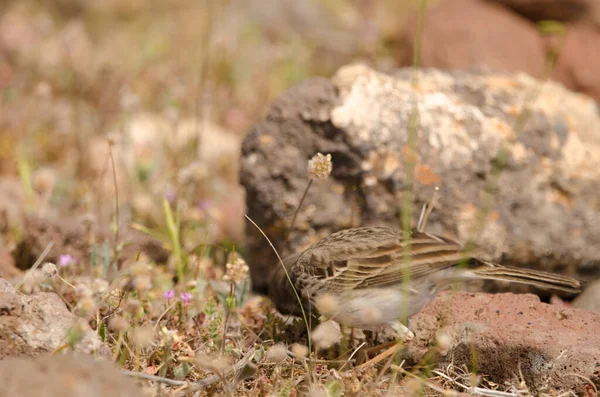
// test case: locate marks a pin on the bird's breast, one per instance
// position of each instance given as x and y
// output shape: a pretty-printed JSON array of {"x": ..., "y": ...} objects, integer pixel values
[{"x": 370, "y": 308}]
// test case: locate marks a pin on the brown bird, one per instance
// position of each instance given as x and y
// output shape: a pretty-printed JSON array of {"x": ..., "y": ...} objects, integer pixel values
[{"x": 370, "y": 277}]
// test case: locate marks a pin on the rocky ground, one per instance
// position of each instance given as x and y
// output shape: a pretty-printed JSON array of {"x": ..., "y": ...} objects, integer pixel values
[{"x": 134, "y": 136}]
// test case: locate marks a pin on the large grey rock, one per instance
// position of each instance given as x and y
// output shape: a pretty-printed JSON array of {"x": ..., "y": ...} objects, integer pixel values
[
  {"x": 31, "y": 325},
  {"x": 543, "y": 211}
]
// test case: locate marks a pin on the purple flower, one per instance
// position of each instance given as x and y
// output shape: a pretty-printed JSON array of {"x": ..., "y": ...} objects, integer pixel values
[
  {"x": 170, "y": 194},
  {"x": 170, "y": 294},
  {"x": 186, "y": 297},
  {"x": 66, "y": 260},
  {"x": 204, "y": 205}
]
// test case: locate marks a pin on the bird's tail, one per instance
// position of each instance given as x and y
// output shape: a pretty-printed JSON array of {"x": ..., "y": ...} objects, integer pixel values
[{"x": 490, "y": 271}]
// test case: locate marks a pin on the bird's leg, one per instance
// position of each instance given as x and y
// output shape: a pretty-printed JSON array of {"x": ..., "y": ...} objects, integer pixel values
[{"x": 353, "y": 340}]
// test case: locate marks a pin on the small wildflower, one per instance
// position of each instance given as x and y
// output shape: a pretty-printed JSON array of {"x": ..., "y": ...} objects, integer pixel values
[
  {"x": 277, "y": 354},
  {"x": 236, "y": 271},
  {"x": 170, "y": 194},
  {"x": 186, "y": 297},
  {"x": 66, "y": 260},
  {"x": 112, "y": 298},
  {"x": 168, "y": 295},
  {"x": 49, "y": 269},
  {"x": 320, "y": 166}
]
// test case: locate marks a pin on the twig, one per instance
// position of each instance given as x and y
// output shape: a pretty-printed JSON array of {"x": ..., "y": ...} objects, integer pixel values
[
  {"x": 210, "y": 380},
  {"x": 163, "y": 314},
  {"x": 352, "y": 355},
  {"x": 423, "y": 381},
  {"x": 427, "y": 209},
  {"x": 586, "y": 379},
  {"x": 167, "y": 381},
  {"x": 380, "y": 357},
  {"x": 479, "y": 391}
]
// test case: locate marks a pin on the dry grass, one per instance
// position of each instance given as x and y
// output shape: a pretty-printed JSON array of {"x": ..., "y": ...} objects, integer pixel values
[{"x": 108, "y": 107}]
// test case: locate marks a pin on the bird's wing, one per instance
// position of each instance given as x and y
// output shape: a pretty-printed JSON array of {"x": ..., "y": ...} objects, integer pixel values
[{"x": 377, "y": 257}]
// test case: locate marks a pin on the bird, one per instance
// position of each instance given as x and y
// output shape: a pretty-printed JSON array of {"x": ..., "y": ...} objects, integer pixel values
[{"x": 370, "y": 277}]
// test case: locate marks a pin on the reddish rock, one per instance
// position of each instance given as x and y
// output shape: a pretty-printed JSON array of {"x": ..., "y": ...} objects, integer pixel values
[
  {"x": 590, "y": 298},
  {"x": 505, "y": 335},
  {"x": 8, "y": 269},
  {"x": 557, "y": 10},
  {"x": 579, "y": 60},
  {"x": 471, "y": 34}
]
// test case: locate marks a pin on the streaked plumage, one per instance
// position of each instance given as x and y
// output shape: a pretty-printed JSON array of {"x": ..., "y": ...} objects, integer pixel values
[{"x": 377, "y": 274}]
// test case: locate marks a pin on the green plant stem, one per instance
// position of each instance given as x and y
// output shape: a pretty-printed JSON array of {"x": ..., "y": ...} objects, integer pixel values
[{"x": 304, "y": 317}]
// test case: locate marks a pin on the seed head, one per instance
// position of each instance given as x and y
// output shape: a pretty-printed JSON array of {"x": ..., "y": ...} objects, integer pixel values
[
  {"x": 86, "y": 305},
  {"x": 327, "y": 304},
  {"x": 236, "y": 271},
  {"x": 320, "y": 166},
  {"x": 326, "y": 334},
  {"x": 100, "y": 286},
  {"x": 300, "y": 351},
  {"x": 277, "y": 354},
  {"x": 444, "y": 342},
  {"x": 84, "y": 291},
  {"x": 49, "y": 269}
]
